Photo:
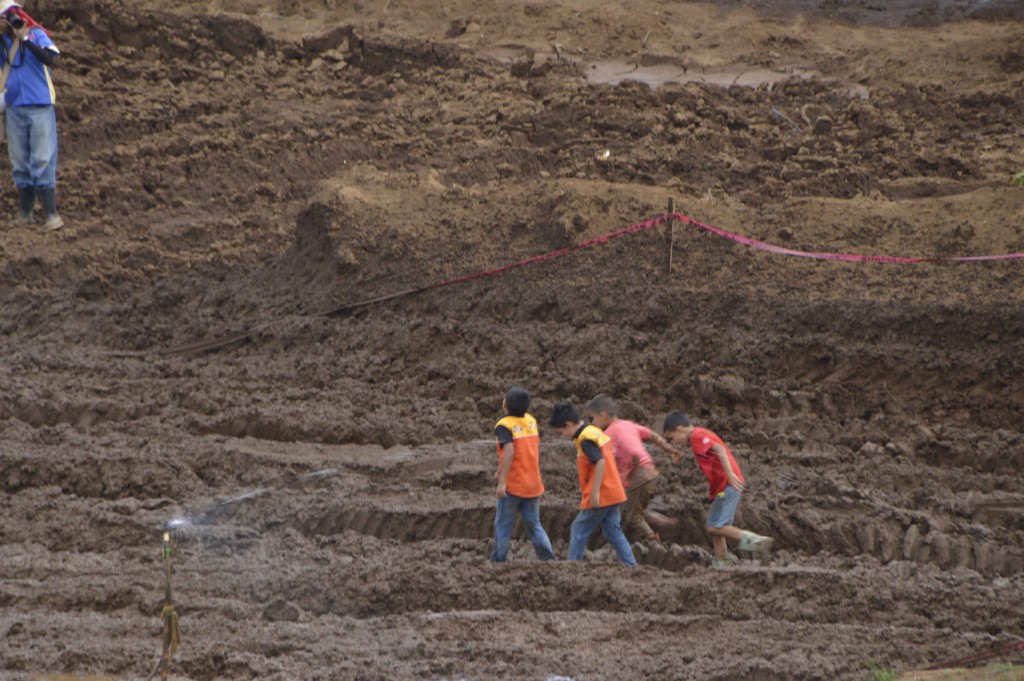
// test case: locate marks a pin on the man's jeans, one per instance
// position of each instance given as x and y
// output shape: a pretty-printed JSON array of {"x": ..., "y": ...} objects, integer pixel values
[
  {"x": 32, "y": 145},
  {"x": 505, "y": 516},
  {"x": 609, "y": 519}
]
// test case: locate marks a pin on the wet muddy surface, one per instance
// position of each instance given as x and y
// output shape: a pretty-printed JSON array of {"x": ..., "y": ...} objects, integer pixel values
[{"x": 237, "y": 173}]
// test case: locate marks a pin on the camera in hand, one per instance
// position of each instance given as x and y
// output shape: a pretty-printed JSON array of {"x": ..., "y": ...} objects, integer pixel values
[{"x": 15, "y": 21}]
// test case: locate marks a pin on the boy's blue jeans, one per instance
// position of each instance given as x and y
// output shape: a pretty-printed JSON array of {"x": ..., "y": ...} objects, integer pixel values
[
  {"x": 609, "y": 518},
  {"x": 505, "y": 516},
  {"x": 32, "y": 145}
]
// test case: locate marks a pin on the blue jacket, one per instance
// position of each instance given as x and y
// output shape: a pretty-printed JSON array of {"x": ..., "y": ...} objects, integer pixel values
[{"x": 29, "y": 82}]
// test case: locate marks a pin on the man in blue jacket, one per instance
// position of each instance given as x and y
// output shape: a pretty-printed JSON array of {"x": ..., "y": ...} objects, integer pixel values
[{"x": 31, "y": 119}]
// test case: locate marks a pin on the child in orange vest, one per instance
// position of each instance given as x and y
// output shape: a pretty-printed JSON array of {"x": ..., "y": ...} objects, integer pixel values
[
  {"x": 600, "y": 484},
  {"x": 519, "y": 482},
  {"x": 637, "y": 471}
]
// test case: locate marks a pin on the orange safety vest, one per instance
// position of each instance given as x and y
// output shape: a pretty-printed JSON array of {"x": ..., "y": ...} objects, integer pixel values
[
  {"x": 612, "y": 491},
  {"x": 524, "y": 475}
]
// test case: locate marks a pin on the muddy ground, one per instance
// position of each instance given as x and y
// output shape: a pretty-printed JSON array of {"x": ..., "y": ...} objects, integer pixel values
[{"x": 240, "y": 169}]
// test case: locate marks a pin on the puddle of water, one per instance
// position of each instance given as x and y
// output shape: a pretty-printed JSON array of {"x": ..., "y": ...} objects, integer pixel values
[
  {"x": 614, "y": 72},
  {"x": 318, "y": 474},
  {"x": 247, "y": 495},
  {"x": 399, "y": 456},
  {"x": 462, "y": 614}
]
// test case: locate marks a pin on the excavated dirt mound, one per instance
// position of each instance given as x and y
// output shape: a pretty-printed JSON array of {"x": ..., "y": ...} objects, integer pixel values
[{"x": 238, "y": 178}]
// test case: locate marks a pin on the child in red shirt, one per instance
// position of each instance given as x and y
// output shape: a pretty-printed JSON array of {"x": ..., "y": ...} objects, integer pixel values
[{"x": 725, "y": 485}]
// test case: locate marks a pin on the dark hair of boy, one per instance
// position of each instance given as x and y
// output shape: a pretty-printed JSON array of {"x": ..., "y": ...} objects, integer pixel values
[
  {"x": 562, "y": 413},
  {"x": 517, "y": 400},
  {"x": 603, "y": 404},
  {"x": 674, "y": 420}
]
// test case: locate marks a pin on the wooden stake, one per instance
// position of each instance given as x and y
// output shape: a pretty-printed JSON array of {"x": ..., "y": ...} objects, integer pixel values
[
  {"x": 671, "y": 232},
  {"x": 168, "y": 616}
]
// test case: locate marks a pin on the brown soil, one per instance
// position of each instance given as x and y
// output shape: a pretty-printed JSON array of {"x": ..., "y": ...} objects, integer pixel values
[{"x": 238, "y": 167}]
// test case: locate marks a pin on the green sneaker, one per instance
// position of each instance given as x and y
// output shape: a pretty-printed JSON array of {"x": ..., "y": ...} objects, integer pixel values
[{"x": 754, "y": 543}]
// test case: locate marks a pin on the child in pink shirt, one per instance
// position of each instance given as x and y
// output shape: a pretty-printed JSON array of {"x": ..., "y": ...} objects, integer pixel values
[{"x": 636, "y": 467}]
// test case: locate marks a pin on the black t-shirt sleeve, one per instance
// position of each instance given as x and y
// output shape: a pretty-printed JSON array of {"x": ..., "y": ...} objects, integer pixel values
[
  {"x": 46, "y": 56},
  {"x": 503, "y": 434},
  {"x": 592, "y": 451}
]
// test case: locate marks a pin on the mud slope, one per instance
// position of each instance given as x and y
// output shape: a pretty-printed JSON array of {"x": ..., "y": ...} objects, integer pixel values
[{"x": 246, "y": 173}]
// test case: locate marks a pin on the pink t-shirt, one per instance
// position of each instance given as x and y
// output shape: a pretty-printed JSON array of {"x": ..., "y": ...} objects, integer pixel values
[{"x": 630, "y": 452}]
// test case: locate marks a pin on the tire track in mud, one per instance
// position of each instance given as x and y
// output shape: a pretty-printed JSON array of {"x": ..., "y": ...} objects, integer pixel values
[
  {"x": 893, "y": 541},
  {"x": 794, "y": 593},
  {"x": 874, "y": 529},
  {"x": 121, "y": 482},
  {"x": 886, "y": 542}
]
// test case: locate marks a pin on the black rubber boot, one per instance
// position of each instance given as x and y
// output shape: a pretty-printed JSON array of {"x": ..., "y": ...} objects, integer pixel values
[
  {"x": 48, "y": 197},
  {"x": 26, "y": 204}
]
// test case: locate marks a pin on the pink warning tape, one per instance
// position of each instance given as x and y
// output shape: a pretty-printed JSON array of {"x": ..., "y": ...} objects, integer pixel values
[
  {"x": 849, "y": 257},
  {"x": 654, "y": 222},
  {"x": 746, "y": 241}
]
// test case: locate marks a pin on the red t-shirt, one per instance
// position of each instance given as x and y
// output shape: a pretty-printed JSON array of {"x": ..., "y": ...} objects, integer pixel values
[{"x": 701, "y": 442}]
